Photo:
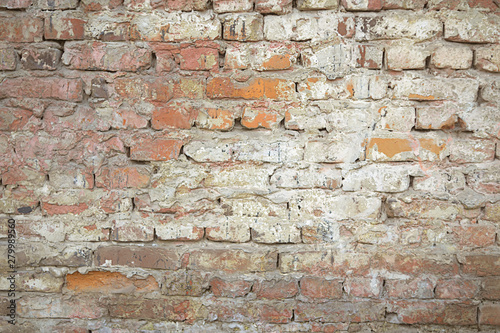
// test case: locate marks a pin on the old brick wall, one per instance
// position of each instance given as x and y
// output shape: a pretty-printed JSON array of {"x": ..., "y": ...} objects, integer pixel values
[{"x": 251, "y": 166}]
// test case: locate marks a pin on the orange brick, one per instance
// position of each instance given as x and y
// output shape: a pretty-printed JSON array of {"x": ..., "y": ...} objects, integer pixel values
[
  {"x": 174, "y": 115},
  {"x": 260, "y": 88},
  {"x": 109, "y": 282}
]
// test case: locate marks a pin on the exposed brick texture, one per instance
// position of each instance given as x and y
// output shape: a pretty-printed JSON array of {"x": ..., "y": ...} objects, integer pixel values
[{"x": 250, "y": 165}]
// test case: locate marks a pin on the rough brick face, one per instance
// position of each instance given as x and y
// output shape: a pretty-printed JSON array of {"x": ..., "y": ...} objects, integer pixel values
[{"x": 250, "y": 165}]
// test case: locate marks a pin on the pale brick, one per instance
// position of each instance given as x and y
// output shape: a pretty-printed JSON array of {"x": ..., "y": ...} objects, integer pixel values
[
  {"x": 53, "y": 5},
  {"x": 491, "y": 91},
  {"x": 444, "y": 115},
  {"x": 272, "y": 230},
  {"x": 345, "y": 117},
  {"x": 340, "y": 149},
  {"x": 400, "y": 119},
  {"x": 243, "y": 27},
  {"x": 311, "y": 204},
  {"x": 492, "y": 212},
  {"x": 170, "y": 27},
  {"x": 240, "y": 175},
  {"x": 459, "y": 90},
  {"x": 320, "y": 88},
  {"x": 317, "y": 4},
  {"x": 404, "y": 4},
  {"x": 455, "y": 57},
  {"x": 482, "y": 120},
  {"x": 362, "y": 5},
  {"x": 424, "y": 209},
  {"x": 488, "y": 58},
  {"x": 472, "y": 151},
  {"x": 405, "y": 57},
  {"x": 225, "y": 6},
  {"x": 379, "y": 178},
  {"x": 332, "y": 60},
  {"x": 398, "y": 25},
  {"x": 471, "y": 27},
  {"x": 273, "y": 6},
  {"x": 261, "y": 56},
  {"x": 367, "y": 86},
  {"x": 440, "y": 181},
  {"x": 485, "y": 178},
  {"x": 229, "y": 230},
  {"x": 8, "y": 59},
  {"x": 319, "y": 176}
]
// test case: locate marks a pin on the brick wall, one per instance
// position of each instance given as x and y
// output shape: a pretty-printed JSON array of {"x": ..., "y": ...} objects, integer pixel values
[{"x": 251, "y": 166}]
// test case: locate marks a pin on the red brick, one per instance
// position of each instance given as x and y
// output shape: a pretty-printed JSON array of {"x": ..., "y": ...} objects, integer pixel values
[
  {"x": 415, "y": 265},
  {"x": 314, "y": 287},
  {"x": 456, "y": 288},
  {"x": 273, "y": 289},
  {"x": 21, "y": 29},
  {"x": 8, "y": 59},
  {"x": 414, "y": 288},
  {"x": 363, "y": 287},
  {"x": 489, "y": 314},
  {"x": 156, "y": 150},
  {"x": 475, "y": 236},
  {"x": 127, "y": 119},
  {"x": 144, "y": 257},
  {"x": 31, "y": 87},
  {"x": 233, "y": 260},
  {"x": 199, "y": 58},
  {"x": 174, "y": 115},
  {"x": 55, "y": 209},
  {"x": 225, "y": 288},
  {"x": 106, "y": 56},
  {"x": 330, "y": 328},
  {"x": 337, "y": 311},
  {"x": 64, "y": 26},
  {"x": 122, "y": 177},
  {"x": 433, "y": 312},
  {"x": 109, "y": 282},
  {"x": 260, "y": 88},
  {"x": 85, "y": 118},
  {"x": 177, "y": 309},
  {"x": 112, "y": 202},
  {"x": 481, "y": 265},
  {"x": 491, "y": 288}
]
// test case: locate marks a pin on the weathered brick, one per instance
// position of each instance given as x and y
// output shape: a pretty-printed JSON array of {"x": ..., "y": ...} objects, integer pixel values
[
  {"x": 488, "y": 314},
  {"x": 239, "y": 175},
  {"x": 492, "y": 211},
  {"x": 363, "y": 287},
  {"x": 199, "y": 58},
  {"x": 108, "y": 26},
  {"x": 8, "y": 59},
  {"x": 32, "y": 282},
  {"x": 430, "y": 209},
  {"x": 380, "y": 178},
  {"x": 471, "y": 27},
  {"x": 442, "y": 115},
  {"x": 109, "y": 282},
  {"x": 406, "y": 148},
  {"x": 398, "y": 25},
  {"x": 105, "y": 56},
  {"x": 225, "y": 6},
  {"x": 54, "y": 5},
  {"x": 488, "y": 58},
  {"x": 185, "y": 283},
  {"x": 40, "y": 58},
  {"x": 415, "y": 288},
  {"x": 272, "y": 230},
  {"x": 322, "y": 176},
  {"x": 433, "y": 312},
  {"x": 174, "y": 115},
  {"x": 187, "y": 5},
  {"x": 82, "y": 307},
  {"x": 460, "y": 90},
  {"x": 155, "y": 150},
  {"x": 475, "y": 236},
  {"x": 313, "y": 262},
  {"x": 400, "y": 119},
  {"x": 456, "y": 289},
  {"x": 229, "y": 231},
  {"x": 171, "y": 27},
  {"x": 227, "y": 310},
  {"x": 215, "y": 119},
  {"x": 337, "y": 311},
  {"x": 275, "y": 289},
  {"x": 363, "y": 5},
  {"x": 97, "y": 5},
  {"x": 21, "y": 29},
  {"x": 317, "y": 4},
  {"x": 486, "y": 5},
  {"x": 273, "y": 6},
  {"x": 481, "y": 265},
  {"x": 319, "y": 288},
  {"x": 144, "y": 257},
  {"x": 485, "y": 179},
  {"x": 225, "y": 288},
  {"x": 261, "y": 56},
  {"x": 490, "y": 288},
  {"x": 126, "y": 119},
  {"x": 15, "y": 4},
  {"x": 122, "y": 177},
  {"x": 404, "y": 4},
  {"x": 244, "y": 27},
  {"x": 125, "y": 231},
  {"x": 455, "y": 57},
  {"x": 339, "y": 149},
  {"x": 405, "y": 57},
  {"x": 57, "y": 88},
  {"x": 259, "y": 88},
  {"x": 233, "y": 260},
  {"x": 368, "y": 56},
  {"x": 65, "y": 26}
]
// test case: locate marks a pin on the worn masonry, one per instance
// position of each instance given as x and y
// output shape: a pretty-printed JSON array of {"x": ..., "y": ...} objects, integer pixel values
[{"x": 251, "y": 165}]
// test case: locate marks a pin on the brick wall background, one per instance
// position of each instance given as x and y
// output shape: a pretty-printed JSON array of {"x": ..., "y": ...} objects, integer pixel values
[{"x": 251, "y": 166}]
